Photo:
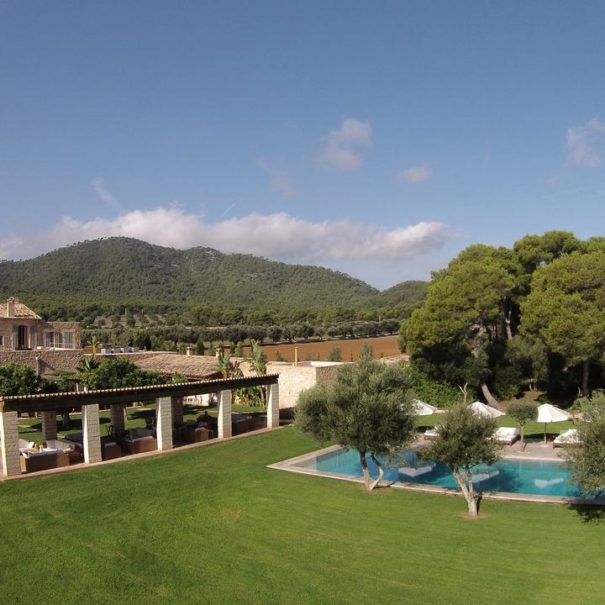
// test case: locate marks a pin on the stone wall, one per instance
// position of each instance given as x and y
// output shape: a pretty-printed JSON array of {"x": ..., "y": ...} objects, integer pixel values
[{"x": 294, "y": 379}]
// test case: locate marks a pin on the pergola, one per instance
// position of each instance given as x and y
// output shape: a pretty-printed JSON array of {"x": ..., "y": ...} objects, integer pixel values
[{"x": 169, "y": 399}]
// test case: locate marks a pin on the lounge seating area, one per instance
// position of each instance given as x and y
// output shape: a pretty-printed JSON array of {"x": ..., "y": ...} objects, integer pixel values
[
  {"x": 162, "y": 410},
  {"x": 41, "y": 457}
]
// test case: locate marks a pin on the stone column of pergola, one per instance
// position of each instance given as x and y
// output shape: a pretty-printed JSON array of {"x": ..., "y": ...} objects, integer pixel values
[
  {"x": 224, "y": 414},
  {"x": 164, "y": 422},
  {"x": 91, "y": 436},
  {"x": 273, "y": 406},
  {"x": 9, "y": 434},
  {"x": 177, "y": 411},
  {"x": 49, "y": 425},
  {"x": 118, "y": 420}
]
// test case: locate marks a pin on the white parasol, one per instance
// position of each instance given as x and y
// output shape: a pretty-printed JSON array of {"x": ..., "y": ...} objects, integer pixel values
[
  {"x": 548, "y": 413},
  {"x": 481, "y": 409}
]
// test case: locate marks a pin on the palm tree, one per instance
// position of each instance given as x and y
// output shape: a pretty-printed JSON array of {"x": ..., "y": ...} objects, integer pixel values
[{"x": 227, "y": 367}]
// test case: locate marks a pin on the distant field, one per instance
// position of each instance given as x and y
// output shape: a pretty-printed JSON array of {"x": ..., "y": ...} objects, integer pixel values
[{"x": 383, "y": 346}]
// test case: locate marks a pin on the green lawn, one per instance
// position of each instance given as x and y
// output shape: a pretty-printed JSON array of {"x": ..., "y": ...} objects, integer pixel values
[{"x": 214, "y": 525}]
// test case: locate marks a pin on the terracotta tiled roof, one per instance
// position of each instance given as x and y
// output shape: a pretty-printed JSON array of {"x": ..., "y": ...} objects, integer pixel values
[
  {"x": 192, "y": 366},
  {"x": 20, "y": 311}
]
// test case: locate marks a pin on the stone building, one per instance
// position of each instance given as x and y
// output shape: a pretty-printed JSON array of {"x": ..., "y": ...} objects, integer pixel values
[{"x": 23, "y": 330}]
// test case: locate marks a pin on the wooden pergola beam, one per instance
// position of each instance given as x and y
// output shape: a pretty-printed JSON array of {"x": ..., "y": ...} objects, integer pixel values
[{"x": 60, "y": 401}]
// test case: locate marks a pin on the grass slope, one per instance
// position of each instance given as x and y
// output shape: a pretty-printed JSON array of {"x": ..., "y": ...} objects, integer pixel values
[{"x": 215, "y": 525}]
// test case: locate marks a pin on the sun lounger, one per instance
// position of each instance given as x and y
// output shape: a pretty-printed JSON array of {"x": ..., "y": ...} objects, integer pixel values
[
  {"x": 567, "y": 438},
  {"x": 431, "y": 434},
  {"x": 507, "y": 435}
]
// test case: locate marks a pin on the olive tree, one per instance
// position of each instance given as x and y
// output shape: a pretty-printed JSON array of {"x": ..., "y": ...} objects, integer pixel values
[
  {"x": 465, "y": 440},
  {"x": 366, "y": 408},
  {"x": 523, "y": 412},
  {"x": 588, "y": 462}
]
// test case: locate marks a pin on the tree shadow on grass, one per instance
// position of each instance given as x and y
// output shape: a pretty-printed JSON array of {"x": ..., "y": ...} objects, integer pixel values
[
  {"x": 589, "y": 513},
  {"x": 138, "y": 414}
]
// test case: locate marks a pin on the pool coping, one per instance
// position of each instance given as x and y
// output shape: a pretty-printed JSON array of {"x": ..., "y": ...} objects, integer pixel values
[{"x": 290, "y": 466}]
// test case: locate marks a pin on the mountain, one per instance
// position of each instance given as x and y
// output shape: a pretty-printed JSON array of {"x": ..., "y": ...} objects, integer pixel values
[
  {"x": 407, "y": 292},
  {"x": 123, "y": 271}
]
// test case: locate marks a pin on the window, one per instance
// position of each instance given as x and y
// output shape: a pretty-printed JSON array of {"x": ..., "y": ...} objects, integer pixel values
[
  {"x": 68, "y": 339},
  {"x": 1, "y": 341}
]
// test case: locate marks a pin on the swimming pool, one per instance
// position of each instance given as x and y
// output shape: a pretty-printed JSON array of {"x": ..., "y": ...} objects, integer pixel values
[{"x": 513, "y": 476}]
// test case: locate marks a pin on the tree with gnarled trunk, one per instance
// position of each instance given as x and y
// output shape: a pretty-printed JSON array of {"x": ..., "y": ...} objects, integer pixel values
[
  {"x": 469, "y": 306},
  {"x": 366, "y": 408},
  {"x": 465, "y": 440}
]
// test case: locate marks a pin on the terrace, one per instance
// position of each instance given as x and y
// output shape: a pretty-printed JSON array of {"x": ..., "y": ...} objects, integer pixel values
[{"x": 169, "y": 430}]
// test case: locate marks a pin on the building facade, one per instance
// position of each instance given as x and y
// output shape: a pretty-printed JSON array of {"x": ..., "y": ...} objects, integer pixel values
[{"x": 23, "y": 330}]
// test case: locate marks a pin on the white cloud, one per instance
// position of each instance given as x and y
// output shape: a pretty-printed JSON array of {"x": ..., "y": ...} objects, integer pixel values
[
  {"x": 280, "y": 179},
  {"x": 580, "y": 141},
  {"x": 415, "y": 174},
  {"x": 98, "y": 184},
  {"x": 278, "y": 236},
  {"x": 343, "y": 148}
]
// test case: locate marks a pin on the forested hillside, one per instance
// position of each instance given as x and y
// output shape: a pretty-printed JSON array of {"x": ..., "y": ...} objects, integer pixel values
[{"x": 109, "y": 276}]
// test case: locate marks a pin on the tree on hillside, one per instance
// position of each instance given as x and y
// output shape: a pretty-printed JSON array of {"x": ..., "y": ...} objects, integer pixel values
[
  {"x": 366, "y": 408},
  {"x": 588, "y": 462},
  {"x": 523, "y": 412},
  {"x": 566, "y": 309},
  {"x": 465, "y": 440}
]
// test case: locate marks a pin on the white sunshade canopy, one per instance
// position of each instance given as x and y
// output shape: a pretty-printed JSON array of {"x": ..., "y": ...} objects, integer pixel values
[
  {"x": 551, "y": 413},
  {"x": 423, "y": 409},
  {"x": 482, "y": 409},
  {"x": 547, "y": 412}
]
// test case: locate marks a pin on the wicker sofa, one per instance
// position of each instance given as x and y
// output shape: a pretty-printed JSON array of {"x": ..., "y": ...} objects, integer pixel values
[
  {"x": 196, "y": 433},
  {"x": 241, "y": 423},
  {"x": 110, "y": 448},
  {"x": 139, "y": 440},
  {"x": 33, "y": 461}
]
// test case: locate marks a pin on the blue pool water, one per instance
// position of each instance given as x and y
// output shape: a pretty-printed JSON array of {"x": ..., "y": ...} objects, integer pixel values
[{"x": 540, "y": 478}]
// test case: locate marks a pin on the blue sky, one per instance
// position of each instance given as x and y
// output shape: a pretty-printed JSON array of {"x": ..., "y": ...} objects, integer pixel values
[{"x": 374, "y": 138}]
